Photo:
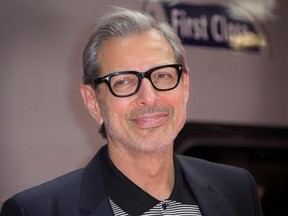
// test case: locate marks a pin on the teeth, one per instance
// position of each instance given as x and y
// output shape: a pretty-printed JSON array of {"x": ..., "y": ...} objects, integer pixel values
[{"x": 150, "y": 119}]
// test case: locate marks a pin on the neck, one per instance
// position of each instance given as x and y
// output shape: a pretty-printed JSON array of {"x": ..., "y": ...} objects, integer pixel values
[{"x": 153, "y": 173}]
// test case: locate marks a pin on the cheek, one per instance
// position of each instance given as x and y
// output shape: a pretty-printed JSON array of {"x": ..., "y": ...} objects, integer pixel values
[
  {"x": 179, "y": 102},
  {"x": 113, "y": 111}
]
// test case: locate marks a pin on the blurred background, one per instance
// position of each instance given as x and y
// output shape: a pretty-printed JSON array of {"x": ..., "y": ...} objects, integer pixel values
[{"x": 238, "y": 107}]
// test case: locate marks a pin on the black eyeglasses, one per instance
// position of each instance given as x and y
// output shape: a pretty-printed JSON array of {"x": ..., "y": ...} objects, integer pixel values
[{"x": 127, "y": 83}]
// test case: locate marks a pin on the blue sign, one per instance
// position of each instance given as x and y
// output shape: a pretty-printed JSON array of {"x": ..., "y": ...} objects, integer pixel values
[{"x": 212, "y": 26}]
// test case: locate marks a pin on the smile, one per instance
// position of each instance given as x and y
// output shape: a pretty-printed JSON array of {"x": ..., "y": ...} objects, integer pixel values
[{"x": 147, "y": 121}]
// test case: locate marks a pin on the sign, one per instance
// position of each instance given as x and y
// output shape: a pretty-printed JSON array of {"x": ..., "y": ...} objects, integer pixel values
[{"x": 209, "y": 25}]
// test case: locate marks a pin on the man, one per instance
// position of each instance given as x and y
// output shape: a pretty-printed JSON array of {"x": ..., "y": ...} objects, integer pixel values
[{"x": 136, "y": 86}]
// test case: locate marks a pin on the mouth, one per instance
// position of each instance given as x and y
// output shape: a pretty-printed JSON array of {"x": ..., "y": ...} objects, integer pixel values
[{"x": 147, "y": 121}]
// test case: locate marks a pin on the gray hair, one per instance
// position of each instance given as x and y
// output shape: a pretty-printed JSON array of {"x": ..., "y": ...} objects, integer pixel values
[{"x": 120, "y": 23}]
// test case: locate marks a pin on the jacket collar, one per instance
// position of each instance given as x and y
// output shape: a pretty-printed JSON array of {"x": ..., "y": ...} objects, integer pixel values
[
  {"x": 93, "y": 196},
  {"x": 211, "y": 202}
]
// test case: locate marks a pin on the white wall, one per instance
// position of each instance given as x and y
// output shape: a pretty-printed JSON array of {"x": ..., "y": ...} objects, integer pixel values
[{"x": 45, "y": 130}]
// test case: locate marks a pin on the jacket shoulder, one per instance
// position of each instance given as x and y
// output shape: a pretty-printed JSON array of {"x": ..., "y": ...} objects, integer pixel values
[
  {"x": 234, "y": 185},
  {"x": 61, "y": 186},
  {"x": 207, "y": 166},
  {"x": 223, "y": 176},
  {"x": 62, "y": 191}
]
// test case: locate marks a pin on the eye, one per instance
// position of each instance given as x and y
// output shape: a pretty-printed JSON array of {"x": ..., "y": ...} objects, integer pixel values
[
  {"x": 123, "y": 81},
  {"x": 164, "y": 75}
]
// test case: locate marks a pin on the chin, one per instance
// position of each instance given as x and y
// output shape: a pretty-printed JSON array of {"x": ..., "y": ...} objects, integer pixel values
[{"x": 153, "y": 147}]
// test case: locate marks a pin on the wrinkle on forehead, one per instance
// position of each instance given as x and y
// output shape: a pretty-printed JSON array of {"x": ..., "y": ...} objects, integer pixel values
[{"x": 135, "y": 52}]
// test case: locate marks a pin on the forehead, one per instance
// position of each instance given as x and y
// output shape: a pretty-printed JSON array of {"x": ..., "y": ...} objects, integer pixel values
[{"x": 135, "y": 52}]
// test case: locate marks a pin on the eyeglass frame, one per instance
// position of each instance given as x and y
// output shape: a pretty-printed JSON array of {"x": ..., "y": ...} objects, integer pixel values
[{"x": 140, "y": 75}]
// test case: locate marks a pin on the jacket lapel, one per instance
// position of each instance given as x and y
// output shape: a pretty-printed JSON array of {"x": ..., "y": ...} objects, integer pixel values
[
  {"x": 93, "y": 196},
  {"x": 211, "y": 202},
  {"x": 103, "y": 208}
]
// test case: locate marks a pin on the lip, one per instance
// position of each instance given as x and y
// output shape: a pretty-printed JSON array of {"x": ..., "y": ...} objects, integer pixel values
[{"x": 147, "y": 121}]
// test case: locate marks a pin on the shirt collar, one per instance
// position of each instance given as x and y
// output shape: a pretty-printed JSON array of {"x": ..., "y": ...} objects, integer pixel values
[{"x": 131, "y": 198}]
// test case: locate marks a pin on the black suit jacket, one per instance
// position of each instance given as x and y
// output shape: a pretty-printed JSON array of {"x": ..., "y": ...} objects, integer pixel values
[{"x": 220, "y": 190}]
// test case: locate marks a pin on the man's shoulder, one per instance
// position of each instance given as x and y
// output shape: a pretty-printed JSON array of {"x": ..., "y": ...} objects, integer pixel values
[
  {"x": 205, "y": 167},
  {"x": 64, "y": 186},
  {"x": 224, "y": 177},
  {"x": 203, "y": 163},
  {"x": 231, "y": 185},
  {"x": 49, "y": 198}
]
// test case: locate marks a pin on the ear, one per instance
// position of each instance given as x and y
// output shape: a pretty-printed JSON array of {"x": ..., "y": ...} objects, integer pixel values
[
  {"x": 91, "y": 102},
  {"x": 186, "y": 85}
]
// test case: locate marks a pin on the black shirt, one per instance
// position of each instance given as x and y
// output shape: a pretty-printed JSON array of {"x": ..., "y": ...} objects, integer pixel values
[{"x": 132, "y": 199}]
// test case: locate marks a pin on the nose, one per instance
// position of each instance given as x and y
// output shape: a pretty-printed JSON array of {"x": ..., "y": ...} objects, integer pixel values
[{"x": 147, "y": 94}]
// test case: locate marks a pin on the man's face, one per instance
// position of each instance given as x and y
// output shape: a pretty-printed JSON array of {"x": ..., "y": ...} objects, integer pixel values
[{"x": 150, "y": 120}]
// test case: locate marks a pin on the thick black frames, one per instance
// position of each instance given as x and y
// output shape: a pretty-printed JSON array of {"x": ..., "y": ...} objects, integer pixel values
[{"x": 141, "y": 75}]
